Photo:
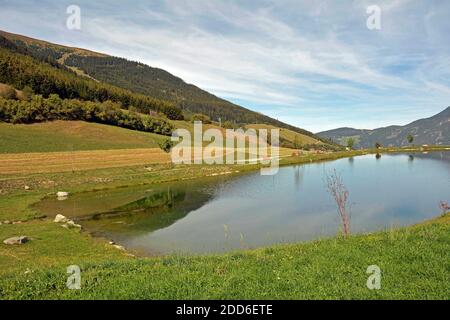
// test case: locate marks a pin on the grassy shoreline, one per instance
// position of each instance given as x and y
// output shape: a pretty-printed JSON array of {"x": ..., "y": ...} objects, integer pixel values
[
  {"x": 41, "y": 263},
  {"x": 414, "y": 262}
]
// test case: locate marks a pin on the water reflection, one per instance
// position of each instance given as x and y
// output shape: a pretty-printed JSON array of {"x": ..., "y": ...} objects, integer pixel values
[
  {"x": 258, "y": 210},
  {"x": 158, "y": 210},
  {"x": 298, "y": 175},
  {"x": 105, "y": 212}
]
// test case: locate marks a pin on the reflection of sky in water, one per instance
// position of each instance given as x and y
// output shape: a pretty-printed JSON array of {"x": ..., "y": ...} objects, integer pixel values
[{"x": 295, "y": 206}]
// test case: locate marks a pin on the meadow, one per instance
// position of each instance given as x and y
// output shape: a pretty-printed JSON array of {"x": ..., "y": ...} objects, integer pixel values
[
  {"x": 414, "y": 263},
  {"x": 63, "y": 136}
]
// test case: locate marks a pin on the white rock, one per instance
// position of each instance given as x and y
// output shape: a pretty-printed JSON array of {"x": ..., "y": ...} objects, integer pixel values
[
  {"x": 119, "y": 247},
  {"x": 27, "y": 188},
  {"x": 16, "y": 240},
  {"x": 60, "y": 219},
  {"x": 62, "y": 194},
  {"x": 73, "y": 224},
  {"x": 70, "y": 224}
]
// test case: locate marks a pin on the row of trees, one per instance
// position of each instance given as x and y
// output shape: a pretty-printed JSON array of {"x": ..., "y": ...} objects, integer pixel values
[
  {"x": 351, "y": 142},
  {"x": 21, "y": 71},
  {"x": 39, "y": 109}
]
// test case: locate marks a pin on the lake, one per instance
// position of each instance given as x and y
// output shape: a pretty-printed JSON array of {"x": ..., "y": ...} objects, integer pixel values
[{"x": 248, "y": 211}]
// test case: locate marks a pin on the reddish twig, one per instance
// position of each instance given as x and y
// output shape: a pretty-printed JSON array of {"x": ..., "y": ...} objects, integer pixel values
[{"x": 340, "y": 194}]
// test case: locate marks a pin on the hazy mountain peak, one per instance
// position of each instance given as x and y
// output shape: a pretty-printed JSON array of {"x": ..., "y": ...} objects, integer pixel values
[{"x": 433, "y": 131}]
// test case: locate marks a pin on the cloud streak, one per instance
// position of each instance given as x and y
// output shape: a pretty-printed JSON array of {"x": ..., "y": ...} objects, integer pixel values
[{"x": 311, "y": 63}]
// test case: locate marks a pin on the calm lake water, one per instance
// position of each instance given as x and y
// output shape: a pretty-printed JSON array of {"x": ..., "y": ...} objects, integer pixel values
[{"x": 248, "y": 211}]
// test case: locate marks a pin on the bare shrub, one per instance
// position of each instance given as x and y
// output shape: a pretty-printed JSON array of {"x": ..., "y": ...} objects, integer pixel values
[{"x": 340, "y": 194}]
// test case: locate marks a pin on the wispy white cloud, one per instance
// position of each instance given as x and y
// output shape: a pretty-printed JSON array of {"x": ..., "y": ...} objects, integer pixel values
[{"x": 312, "y": 63}]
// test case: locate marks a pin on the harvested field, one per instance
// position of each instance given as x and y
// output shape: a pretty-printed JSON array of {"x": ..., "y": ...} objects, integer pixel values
[
  {"x": 27, "y": 163},
  {"x": 52, "y": 162}
]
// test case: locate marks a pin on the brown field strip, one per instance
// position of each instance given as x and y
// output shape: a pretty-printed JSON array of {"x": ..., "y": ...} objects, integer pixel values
[
  {"x": 79, "y": 160},
  {"x": 52, "y": 162}
]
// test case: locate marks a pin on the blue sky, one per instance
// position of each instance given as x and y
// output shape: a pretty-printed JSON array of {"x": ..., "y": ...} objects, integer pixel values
[{"x": 310, "y": 63}]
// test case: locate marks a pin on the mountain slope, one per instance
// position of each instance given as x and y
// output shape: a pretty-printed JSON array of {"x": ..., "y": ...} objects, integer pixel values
[
  {"x": 433, "y": 131},
  {"x": 142, "y": 79}
]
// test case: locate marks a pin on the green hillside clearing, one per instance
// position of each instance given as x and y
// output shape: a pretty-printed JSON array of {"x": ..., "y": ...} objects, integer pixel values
[{"x": 71, "y": 136}]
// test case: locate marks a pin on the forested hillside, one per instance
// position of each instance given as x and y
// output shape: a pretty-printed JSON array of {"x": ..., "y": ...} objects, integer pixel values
[
  {"x": 130, "y": 83},
  {"x": 160, "y": 84},
  {"x": 21, "y": 70}
]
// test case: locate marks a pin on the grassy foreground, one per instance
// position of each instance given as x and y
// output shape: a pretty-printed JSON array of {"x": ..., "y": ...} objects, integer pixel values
[{"x": 414, "y": 261}]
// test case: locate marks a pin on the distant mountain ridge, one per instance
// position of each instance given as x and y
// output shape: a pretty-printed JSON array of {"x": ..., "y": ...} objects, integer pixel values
[
  {"x": 432, "y": 131},
  {"x": 142, "y": 79}
]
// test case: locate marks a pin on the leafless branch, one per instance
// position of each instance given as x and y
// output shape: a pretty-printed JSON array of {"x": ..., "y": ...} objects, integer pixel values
[{"x": 340, "y": 194}]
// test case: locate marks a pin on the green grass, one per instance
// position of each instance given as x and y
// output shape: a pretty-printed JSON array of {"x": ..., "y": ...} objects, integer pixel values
[
  {"x": 51, "y": 246},
  {"x": 16, "y": 207},
  {"x": 414, "y": 261},
  {"x": 71, "y": 136}
]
